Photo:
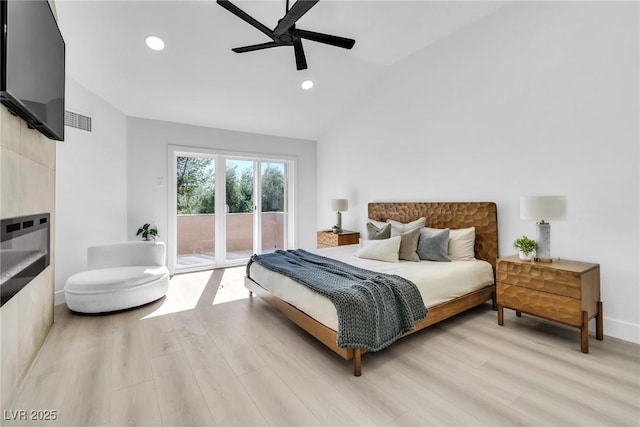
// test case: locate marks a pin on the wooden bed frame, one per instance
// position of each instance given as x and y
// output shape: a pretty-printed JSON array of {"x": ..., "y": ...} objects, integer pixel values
[{"x": 481, "y": 215}]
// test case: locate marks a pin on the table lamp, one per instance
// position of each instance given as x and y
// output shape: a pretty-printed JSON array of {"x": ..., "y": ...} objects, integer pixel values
[
  {"x": 339, "y": 206},
  {"x": 542, "y": 209}
]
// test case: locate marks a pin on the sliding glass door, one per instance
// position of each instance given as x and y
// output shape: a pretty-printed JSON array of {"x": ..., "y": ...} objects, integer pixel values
[
  {"x": 239, "y": 209},
  {"x": 226, "y": 208},
  {"x": 273, "y": 209},
  {"x": 195, "y": 208}
]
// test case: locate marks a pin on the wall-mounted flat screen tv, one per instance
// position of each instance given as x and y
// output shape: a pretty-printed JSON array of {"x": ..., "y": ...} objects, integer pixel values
[{"x": 33, "y": 53}]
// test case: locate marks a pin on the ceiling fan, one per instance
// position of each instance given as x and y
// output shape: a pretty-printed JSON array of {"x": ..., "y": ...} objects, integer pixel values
[{"x": 285, "y": 33}]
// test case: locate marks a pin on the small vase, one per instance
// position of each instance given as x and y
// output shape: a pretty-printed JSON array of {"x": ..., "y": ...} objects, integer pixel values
[{"x": 525, "y": 257}]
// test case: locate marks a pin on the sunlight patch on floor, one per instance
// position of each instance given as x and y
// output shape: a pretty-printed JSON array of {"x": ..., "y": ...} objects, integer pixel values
[
  {"x": 231, "y": 286},
  {"x": 211, "y": 287}
]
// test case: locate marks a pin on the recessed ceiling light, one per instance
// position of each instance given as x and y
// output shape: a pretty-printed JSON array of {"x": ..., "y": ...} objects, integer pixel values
[
  {"x": 154, "y": 42},
  {"x": 307, "y": 84}
]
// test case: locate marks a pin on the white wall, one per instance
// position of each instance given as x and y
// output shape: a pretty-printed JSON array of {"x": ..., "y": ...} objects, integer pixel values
[
  {"x": 147, "y": 192},
  {"x": 91, "y": 183},
  {"x": 536, "y": 99}
]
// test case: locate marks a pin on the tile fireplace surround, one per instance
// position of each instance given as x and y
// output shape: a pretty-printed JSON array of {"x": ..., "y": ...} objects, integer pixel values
[{"x": 27, "y": 187}]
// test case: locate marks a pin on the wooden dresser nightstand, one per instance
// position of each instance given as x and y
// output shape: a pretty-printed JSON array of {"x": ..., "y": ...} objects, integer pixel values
[
  {"x": 564, "y": 291},
  {"x": 328, "y": 239}
]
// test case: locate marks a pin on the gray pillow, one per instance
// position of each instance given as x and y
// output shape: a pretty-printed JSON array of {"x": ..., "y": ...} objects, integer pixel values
[
  {"x": 404, "y": 227},
  {"x": 408, "y": 244},
  {"x": 433, "y": 245},
  {"x": 375, "y": 233}
]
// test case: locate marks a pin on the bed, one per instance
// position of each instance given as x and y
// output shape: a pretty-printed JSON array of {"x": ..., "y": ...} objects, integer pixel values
[{"x": 472, "y": 286}]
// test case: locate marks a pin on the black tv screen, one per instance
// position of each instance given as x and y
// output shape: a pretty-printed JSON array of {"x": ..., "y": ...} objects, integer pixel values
[{"x": 32, "y": 81}]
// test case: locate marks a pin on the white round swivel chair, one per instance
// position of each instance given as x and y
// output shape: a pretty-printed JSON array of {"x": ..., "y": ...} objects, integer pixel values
[{"x": 120, "y": 276}]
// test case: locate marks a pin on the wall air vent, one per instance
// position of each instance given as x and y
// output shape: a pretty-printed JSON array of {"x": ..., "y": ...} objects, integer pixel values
[{"x": 77, "y": 121}]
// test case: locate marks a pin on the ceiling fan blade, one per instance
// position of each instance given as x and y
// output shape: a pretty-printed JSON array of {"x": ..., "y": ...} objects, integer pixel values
[
  {"x": 245, "y": 17},
  {"x": 301, "y": 61},
  {"x": 299, "y": 8},
  {"x": 253, "y": 47},
  {"x": 338, "y": 41}
]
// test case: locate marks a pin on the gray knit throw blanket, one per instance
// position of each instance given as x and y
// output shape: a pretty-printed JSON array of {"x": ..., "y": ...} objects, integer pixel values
[{"x": 374, "y": 309}]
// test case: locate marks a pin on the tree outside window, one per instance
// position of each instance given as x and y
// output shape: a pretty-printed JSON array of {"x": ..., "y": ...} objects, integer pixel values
[{"x": 196, "y": 187}]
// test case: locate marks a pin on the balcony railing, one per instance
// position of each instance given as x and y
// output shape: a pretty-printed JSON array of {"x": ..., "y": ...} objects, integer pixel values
[{"x": 196, "y": 234}]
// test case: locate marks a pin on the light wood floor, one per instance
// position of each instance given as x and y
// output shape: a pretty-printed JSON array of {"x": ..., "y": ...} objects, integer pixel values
[{"x": 206, "y": 355}]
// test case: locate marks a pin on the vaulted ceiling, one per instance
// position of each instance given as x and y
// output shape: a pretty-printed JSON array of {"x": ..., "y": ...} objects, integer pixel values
[{"x": 198, "y": 80}]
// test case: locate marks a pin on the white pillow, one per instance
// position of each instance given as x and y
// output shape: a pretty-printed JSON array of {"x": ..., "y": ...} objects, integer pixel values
[
  {"x": 461, "y": 243},
  {"x": 381, "y": 250},
  {"x": 400, "y": 227}
]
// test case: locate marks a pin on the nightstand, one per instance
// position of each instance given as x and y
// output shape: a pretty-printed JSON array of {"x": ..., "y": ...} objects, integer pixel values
[
  {"x": 563, "y": 291},
  {"x": 327, "y": 238}
]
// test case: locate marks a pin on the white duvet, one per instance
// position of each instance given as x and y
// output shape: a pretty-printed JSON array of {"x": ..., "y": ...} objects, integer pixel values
[{"x": 438, "y": 282}]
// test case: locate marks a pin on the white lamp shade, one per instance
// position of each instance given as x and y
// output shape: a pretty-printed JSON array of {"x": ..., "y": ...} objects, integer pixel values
[
  {"x": 339, "y": 205},
  {"x": 543, "y": 207}
]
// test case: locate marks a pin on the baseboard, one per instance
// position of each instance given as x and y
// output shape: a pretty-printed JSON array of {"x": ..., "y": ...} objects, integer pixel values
[
  {"x": 623, "y": 330},
  {"x": 59, "y": 297}
]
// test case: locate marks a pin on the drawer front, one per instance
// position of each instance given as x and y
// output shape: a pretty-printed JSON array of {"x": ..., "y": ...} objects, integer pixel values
[
  {"x": 349, "y": 239},
  {"x": 559, "y": 282},
  {"x": 550, "y": 306},
  {"x": 326, "y": 240}
]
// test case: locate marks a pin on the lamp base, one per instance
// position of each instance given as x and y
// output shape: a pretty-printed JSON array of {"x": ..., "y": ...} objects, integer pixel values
[{"x": 543, "y": 242}]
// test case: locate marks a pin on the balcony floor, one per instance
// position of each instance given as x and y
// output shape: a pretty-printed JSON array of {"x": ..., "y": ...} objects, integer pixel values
[{"x": 208, "y": 259}]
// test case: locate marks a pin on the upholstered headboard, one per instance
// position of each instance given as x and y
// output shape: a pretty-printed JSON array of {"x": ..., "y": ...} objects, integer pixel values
[{"x": 481, "y": 215}]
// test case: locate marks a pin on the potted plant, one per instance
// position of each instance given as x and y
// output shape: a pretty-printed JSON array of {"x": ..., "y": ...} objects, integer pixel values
[
  {"x": 525, "y": 246},
  {"x": 148, "y": 232}
]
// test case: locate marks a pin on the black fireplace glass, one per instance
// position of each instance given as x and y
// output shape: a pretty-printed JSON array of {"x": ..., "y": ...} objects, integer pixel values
[{"x": 24, "y": 252}]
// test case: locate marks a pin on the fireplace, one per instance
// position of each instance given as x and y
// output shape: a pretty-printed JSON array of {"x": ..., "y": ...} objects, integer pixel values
[{"x": 24, "y": 252}]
